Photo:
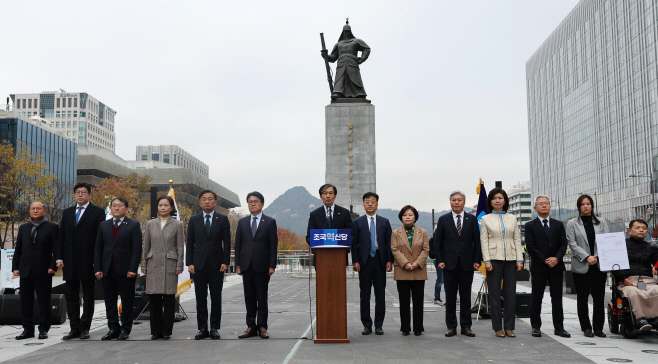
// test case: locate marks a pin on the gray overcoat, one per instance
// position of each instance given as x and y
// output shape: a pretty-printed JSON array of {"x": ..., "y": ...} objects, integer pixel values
[{"x": 162, "y": 256}]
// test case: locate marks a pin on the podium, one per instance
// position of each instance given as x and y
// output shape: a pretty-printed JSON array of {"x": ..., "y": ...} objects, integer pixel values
[{"x": 330, "y": 248}]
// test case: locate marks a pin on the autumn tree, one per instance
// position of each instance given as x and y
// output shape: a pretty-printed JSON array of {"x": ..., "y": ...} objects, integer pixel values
[
  {"x": 132, "y": 187},
  {"x": 288, "y": 240},
  {"x": 24, "y": 179}
]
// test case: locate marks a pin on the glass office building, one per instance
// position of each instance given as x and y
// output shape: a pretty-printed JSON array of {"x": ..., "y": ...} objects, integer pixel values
[
  {"x": 59, "y": 153},
  {"x": 592, "y": 111}
]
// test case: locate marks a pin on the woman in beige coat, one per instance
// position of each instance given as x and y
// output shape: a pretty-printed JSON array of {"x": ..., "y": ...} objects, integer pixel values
[
  {"x": 410, "y": 248},
  {"x": 502, "y": 254},
  {"x": 162, "y": 262}
]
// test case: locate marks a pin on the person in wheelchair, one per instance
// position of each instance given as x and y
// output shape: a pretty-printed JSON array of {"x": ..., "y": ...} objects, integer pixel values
[{"x": 637, "y": 283}]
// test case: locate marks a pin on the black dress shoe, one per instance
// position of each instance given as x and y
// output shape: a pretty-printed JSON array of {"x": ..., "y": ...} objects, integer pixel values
[
  {"x": 166, "y": 337},
  {"x": 418, "y": 333},
  {"x": 451, "y": 332},
  {"x": 43, "y": 335},
  {"x": 111, "y": 335},
  {"x": 537, "y": 332},
  {"x": 214, "y": 334},
  {"x": 202, "y": 334},
  {"x": 588, "y": 333},
  {"x": 84, "y": 334},
  {"x": 366, "y": 331},
  {"x": 379, "y": 331},
  {"x": 156, "y": 337},
  {"x": 71, "y": 335},
  {"x": 405, "y": 333},
  {"x": 25, "y": 335},
  {"x": 123, "y": 336},
  {"x": 562, "y": 333},
  {"x": 599, "y": 333}
]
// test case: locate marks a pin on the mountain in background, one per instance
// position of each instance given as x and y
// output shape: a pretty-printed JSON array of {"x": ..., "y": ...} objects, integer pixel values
[{"x": 292, "y": 208}]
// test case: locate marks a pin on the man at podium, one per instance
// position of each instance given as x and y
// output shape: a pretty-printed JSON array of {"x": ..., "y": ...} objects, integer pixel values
[{"x": 328, "y": 216}]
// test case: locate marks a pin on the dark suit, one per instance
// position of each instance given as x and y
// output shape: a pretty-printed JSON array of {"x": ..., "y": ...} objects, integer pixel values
[
  {"x": 75, "y": 247},
  {"x": 373, "y": 269},
  {"x": 255, "y": 256},
  {"x": 33, "y": 258},
  {"x": 126, "y": 252},
  {"x": 317, "y": 219},
  {"x": 458, "y": 252},
  {"x": 541, "y": 247},
  {"x": 207, "y": 252}
]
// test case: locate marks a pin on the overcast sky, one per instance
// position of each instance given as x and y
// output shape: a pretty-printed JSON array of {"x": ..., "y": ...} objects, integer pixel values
[{"x": 241, "y": 85}]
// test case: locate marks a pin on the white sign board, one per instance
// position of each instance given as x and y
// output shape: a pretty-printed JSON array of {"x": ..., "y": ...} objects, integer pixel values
[
  {"x": 8, "y": 280},
  {"x": 612, "y": 251}
]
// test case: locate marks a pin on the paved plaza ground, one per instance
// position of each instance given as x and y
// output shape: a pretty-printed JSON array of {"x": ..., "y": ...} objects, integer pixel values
[{"x": 289, "y": 325}]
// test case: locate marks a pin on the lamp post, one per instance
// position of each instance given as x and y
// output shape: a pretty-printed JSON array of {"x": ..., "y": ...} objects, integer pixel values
[{"x": 653, "y": 196}]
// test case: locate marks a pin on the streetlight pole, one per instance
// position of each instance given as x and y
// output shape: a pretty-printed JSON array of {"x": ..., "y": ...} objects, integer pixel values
[{"x": 653, "y": 196}]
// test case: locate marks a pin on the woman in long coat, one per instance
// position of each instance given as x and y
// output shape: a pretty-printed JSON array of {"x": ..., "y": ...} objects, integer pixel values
[
  {"x": 410, "y": 248},
  {"x": 162, "y": 262}
]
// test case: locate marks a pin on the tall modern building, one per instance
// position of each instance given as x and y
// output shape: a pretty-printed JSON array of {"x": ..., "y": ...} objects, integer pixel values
[
  {"x": 40, "y": 137},
  {"x": 520, "y": 205},
  {"x": 592, "y": 111},
  {"x": 171, "y": 155},
  {"x": 81, "y": 117}
]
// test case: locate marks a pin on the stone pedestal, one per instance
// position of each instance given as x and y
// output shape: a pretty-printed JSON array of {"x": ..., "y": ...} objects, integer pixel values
[{"x": 350, "y": 152}]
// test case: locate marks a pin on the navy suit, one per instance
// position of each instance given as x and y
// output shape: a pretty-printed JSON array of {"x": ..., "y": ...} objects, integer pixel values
[
  {"x": 542, "y": 246},
  {"x": 126, "y": 252},
  {"x": 207, "y": 252},
  {"x": 373, "y": 269},
  {"x": 76, "y": 245},
  {"x": 458, "y": 252},
  {"x": 255, "y": 256},
  {"x": 33, "y": 258}
]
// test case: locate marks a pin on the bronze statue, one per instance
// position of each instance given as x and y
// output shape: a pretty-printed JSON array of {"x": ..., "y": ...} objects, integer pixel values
[{"x": 348, "y": 83}]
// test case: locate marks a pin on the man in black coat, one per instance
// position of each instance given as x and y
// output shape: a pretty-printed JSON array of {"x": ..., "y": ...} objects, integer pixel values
[
  {"x": 117, "y": 257},
  {"x": 458, "y": 253},
  {"x": 256, "y": 243},
  {"x": 546, "y": 240},
  {"x": 34, "y": 263},
  {"x": 208, "y": 256},
  {"x": 75, "y": 254},
  {"x": 329, "y": 215},
  {"x": 372, "y": 258}
]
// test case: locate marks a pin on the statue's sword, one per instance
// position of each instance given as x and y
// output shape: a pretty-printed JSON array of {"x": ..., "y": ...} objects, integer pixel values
[{"x": 326, "y": 64}]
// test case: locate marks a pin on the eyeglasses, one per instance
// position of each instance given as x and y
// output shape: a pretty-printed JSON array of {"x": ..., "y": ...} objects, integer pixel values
[
  {"x": 80, "y": 192},
  {"x": 543, "y": 204},
  {"x": 206, "y": 199},
  {"x": 253, "y": 202},
  {"x": 370, "y": 202}
]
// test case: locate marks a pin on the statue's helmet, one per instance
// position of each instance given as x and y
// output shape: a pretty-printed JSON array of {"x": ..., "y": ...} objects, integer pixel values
[{"x": 347, "y": 31}]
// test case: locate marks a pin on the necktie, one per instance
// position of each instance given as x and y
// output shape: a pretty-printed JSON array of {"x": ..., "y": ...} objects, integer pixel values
[
  {"x": 77, "y": 214},
  {"x": 329, "y": 216},
  {"x": 459, "y": 224},
  {"x": 373, "y": 237},
  {"x": 116, "y": 223},
  {"x": 254, "y": 226},
  {"x": 546, "y": 226},
  {"x": 208, "y": 225}
]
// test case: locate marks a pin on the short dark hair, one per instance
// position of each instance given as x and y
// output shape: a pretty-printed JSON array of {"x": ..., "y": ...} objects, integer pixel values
[
  {"x": 257, "y": 195},
  {"x": 171, "y": 202},
  {"x": 405, "y": 209},
  {"x": 641, "y": 221},
  {"x": 370, "y": 194},
  {"x": 83, "y": 185},
  {"x": 327, "y": 185},
  {"x": 579, "y": 203},
  {"x": 123, "y": 201},
  {"x": 207, "y": 191},
  {"x": 493, "y": 193}
]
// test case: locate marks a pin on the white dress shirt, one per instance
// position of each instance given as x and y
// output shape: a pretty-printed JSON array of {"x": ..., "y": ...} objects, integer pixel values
[
  {"x": 84, "y": 208},
  {"x": 204, "y": 217},
  {"x": 258, "y": 217},
  {"x": 548, "y": 221},
  {"x": 454, "y": 217}
]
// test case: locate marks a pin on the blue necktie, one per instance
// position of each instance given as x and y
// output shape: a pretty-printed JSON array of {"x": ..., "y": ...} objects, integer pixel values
[
  {"x": 116, "y": 223},
  {"x": 77, "y": 215},
  {"x": 373, "y": 237}
]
